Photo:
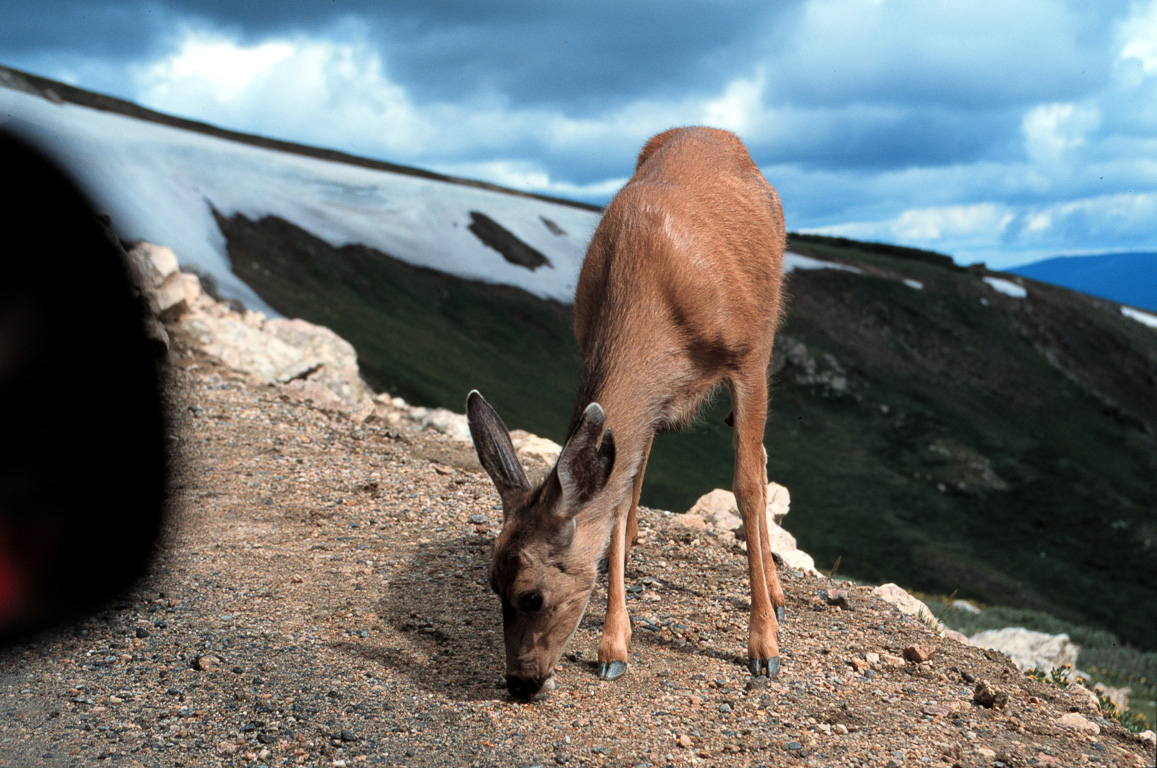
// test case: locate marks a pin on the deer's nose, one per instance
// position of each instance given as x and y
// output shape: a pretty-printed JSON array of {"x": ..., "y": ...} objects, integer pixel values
[{"x": 526, "y": 688}]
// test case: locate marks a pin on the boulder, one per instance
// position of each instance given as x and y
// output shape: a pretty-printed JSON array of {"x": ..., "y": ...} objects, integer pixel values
[
  {"x": 1029, "y": 649},
  {"x": 897, "y": 596},
  {"x": 718, "y": 510},
  {"x": 532, "y": 448},
  {"x": 247, "y": 349},
  {"x": 335, "y": 359},
  {"x": 453, "y": 425}
]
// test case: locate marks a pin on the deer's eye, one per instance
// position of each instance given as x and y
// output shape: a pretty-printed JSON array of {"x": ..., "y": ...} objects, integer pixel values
[{"x": 530, "y": 602}]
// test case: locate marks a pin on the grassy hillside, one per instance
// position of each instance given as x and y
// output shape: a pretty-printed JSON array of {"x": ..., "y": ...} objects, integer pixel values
[{"x": 949, "y": 438}]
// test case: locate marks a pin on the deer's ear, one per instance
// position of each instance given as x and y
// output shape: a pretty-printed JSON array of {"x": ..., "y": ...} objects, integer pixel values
[
  {"x": 585, "y": 464},
  {"x": 495, "y": 451}
]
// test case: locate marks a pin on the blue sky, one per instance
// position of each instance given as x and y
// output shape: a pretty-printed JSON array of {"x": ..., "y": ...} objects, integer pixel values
[{"x": 999, "y": 132}]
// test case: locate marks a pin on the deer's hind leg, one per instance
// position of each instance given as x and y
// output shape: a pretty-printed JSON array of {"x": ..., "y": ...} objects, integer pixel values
[{"x": 749, "y": 403}]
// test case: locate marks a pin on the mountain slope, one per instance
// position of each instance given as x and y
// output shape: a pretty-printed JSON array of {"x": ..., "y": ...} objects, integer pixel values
[
  {"x": 949, "y": 436},
  {"x": 1127, "y": 278}
]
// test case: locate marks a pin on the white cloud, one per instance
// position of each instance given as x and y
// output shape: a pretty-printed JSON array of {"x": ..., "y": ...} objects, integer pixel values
[
  {"x": 1053, "y": 131},
  {"x": 739, "y": 108},
  {"x": 929, "y": 225},
  {"x": 216, "y": 64},
  {"x": 1139, "y": 38}
]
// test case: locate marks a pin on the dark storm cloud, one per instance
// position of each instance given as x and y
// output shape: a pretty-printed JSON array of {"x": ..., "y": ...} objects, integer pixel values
[{"x": 580, "y": 56}]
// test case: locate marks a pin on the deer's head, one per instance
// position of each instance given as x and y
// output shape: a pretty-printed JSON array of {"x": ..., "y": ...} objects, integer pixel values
[{"x": 546, "y": 557}]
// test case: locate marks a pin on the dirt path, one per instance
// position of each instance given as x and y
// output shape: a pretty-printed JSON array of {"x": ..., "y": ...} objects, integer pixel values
[{"x": 321, "y": 600}]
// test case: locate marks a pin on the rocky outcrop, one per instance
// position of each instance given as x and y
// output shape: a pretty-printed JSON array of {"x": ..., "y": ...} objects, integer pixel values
[
  {"x": 309, "y": 362},
  {"x": 906, "y": 603},
  {"x": 1029, "y": 649},
  {"x": 717, "y": 511}
]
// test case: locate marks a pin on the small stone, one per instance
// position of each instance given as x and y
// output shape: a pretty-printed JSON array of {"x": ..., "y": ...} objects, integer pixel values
[
  {"x": 683, "y": 740},
  {"x": 840, "y": 728},
  {"x": 1074, "y": 721},
  {"x": 142, "y": 632},
  {"x": 936, "y": 710},
  {"x": 206, "y": 662},
  {"x": 725, "y": 708},
  {"x": 987, "y": 695},
  {"x": 858, "y": 664},
  {"x": 1086, "y": 700},
  {"x": 348, "y": 735},
  {"x": 296, "y": 579},
  {"x": 838, "y": 598},
  {"x": 872, "y": 658},
  {"x": 478, "y": 519},
  {"x": 889, "y": 660},
  {"x": 919, "y": 653}
]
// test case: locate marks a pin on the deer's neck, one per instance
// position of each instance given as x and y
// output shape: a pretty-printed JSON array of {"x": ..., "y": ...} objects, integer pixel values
[{"x": 631, "y": 417}]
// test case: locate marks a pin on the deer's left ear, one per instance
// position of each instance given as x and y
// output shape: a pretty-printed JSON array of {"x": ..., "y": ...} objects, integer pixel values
[
  {"x": 585, "y": 464},
  {"x": 495, "y": 451}
]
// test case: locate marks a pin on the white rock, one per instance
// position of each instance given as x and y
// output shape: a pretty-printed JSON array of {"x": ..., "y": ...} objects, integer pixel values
[
  {"x": 897, "y": 596},
  {"x": 335, "y": 359},
  {"x": 155, "y": 262},
  {"x": 798, "y": 560},
  {"x": 1029, "y": 649},
  {"x": 963, "y": 606},
  {"x": 534, "y": 448},
  {"x": 1077, "y": 722},
  {"x": 447, "y": 422},
  {"x": 247, "y": 349},
  {"x": 778, "y": 502}
]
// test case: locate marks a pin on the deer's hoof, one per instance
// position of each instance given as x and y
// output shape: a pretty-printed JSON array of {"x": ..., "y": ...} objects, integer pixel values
[
  {"x": 612, "y": 670},
  {"x": 760, "y": 667},
  {"x": 780, "y": 614}
]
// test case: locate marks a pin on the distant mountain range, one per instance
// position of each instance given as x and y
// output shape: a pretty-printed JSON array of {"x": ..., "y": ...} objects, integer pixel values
[{"x": 1126, "y": 278}]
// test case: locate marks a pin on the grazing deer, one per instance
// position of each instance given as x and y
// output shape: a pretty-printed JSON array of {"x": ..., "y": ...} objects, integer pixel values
[{"x": 679, "y": 292}]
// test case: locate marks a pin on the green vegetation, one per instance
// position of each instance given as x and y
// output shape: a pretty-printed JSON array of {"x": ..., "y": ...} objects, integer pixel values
[
  {"x": 945, "y": 438},
  {"x": 1103, "y": 656}
]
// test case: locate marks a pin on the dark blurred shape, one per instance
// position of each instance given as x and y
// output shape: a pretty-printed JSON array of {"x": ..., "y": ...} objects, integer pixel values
[{"x": 82, "y": 439}]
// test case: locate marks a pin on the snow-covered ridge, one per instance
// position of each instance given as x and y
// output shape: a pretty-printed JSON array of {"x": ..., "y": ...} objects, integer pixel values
[{"x": 161, "y": 184}]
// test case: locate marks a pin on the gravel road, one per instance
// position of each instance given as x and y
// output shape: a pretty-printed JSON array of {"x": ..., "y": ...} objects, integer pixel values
[{"x": 320, "y": 599}]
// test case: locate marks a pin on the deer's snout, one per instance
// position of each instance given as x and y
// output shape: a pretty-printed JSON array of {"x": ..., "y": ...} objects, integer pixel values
[{"x": 527, "y": 688}]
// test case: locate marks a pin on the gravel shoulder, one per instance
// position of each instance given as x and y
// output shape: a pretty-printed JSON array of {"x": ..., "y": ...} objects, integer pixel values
[{"x": 320, "y": 599}]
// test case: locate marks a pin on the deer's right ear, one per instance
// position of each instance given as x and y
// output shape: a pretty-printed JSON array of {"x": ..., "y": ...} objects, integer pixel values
[
  {"x": 495, "y": 451},
  {"x": 585, "y": 464}
]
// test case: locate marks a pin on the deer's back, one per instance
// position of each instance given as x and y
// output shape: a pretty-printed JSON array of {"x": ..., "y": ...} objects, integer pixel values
[{"x": 687, "y": 257}]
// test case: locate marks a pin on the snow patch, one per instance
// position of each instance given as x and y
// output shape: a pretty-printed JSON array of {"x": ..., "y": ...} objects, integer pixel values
[
  {"x": 1141, "y": 317},
  {"x": 162, "y": 184},
  {"x": 1007, "y": 287},
  {"x": 794, "y": 261}
]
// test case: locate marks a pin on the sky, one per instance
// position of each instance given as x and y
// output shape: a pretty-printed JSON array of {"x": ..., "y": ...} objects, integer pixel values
[{"x": 1002, "y": 132}]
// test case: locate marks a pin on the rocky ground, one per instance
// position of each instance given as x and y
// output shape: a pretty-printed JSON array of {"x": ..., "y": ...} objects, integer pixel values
[{"x": 320, "y": 599}]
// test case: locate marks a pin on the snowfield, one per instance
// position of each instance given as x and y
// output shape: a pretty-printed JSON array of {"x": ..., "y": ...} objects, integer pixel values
[{"x": 162, "y": 184}]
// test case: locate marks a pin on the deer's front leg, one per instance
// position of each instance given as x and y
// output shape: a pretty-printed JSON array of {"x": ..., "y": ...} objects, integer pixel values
[{"x": 616, "y": 639}]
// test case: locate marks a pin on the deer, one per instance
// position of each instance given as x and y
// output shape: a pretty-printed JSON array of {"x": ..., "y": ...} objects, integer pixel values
[{"x": 678, "y": 294}]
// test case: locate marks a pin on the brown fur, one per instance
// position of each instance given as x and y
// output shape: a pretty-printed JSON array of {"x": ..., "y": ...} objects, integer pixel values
[{"x": 679, "y": 293}]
